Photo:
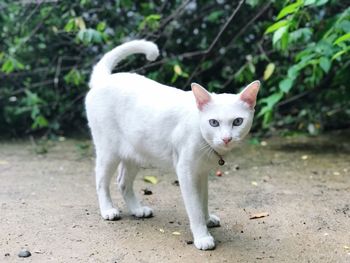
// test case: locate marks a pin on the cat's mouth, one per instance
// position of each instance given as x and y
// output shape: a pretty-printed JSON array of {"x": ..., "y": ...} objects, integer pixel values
[{"x": 223, "y": 149}]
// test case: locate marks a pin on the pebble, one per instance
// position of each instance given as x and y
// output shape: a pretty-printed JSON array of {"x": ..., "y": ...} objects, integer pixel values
[
  {"x": 176, "y": 183},
  {"x": 189, "y": 242},
  {"x": 24, "y": 253},
  {"x": 146, "y": 191},
  {"x": 236, "y": 167}
]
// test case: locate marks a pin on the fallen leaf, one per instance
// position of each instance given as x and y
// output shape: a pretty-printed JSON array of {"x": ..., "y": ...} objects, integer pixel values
[
  {"x": 175, "y": 233},
  {"x": 259, "y": 215},
  {"x": 263, "y": 143},
  {"x": 254, "y": 183},
  {"x": 161, "y": 230},
  {"x": 336, "y": 173},
  {"x": 150, "y": 179},
  {"x": 346, "y": 247},
  {"x": 304, "y": 157}
]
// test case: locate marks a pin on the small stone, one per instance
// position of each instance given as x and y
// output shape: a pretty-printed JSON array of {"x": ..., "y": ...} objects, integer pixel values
[
  {"x": 189, "y": 242},
  {"x": 146, "y": 191},
  {"x": 236, "y": 167},
  {"x": 263, "y": 143},
  {"x": 24, "y": 253},
  {"x": 176, "y": 183},
  {"x": 7, "y": 254}
]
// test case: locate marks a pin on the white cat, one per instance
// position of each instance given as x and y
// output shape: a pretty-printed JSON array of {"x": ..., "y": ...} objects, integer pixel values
[{"x": 136, "y": 121}]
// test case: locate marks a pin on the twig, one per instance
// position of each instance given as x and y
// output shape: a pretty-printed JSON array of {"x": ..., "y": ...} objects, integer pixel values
[
  {"x": 251, "y": 21},
  {"x": 174, "y": 14},
  {"x": 206, "y": 52},
  {"x": 57, "y": 73},
  {"x": 294, "y": 98}
]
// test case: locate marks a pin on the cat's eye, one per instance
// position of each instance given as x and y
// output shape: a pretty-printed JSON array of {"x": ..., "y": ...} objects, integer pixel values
[
  {"x": 237, "y": 121},
  {"x": 214, "y": 123}
]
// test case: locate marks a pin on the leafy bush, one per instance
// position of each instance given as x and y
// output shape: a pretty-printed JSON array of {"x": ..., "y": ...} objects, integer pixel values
[{"x": 300, "y": 50}]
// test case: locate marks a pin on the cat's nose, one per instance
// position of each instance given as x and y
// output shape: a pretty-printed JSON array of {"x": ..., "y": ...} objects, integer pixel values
[{"x": 226, "y": 140}]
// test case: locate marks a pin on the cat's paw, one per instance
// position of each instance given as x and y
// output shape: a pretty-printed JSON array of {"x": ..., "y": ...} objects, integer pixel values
[
  {"x": 205, "y": 243},
  {"x": 143, "y": 212},
  {"x": 213, "y": 221},
  {"x": 110, "y": 214}
]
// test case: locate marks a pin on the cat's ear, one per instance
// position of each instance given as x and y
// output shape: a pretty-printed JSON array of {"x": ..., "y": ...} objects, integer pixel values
[
  {"x": 202, "y": 96},
  {"x": 249, "y": 94}
]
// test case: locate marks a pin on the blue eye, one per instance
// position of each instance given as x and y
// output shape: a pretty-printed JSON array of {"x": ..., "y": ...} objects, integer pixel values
[
  {"x": 214, "y": 123},
  {"x": 237, "y": 121}
]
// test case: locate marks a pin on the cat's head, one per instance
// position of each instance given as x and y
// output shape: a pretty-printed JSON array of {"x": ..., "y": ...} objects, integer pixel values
[{"x": 225, "y": 119}]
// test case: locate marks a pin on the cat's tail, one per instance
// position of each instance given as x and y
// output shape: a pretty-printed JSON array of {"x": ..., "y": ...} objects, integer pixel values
[{"x": 105, "y": 66}]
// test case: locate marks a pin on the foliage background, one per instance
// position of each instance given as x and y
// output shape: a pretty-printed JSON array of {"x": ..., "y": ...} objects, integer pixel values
[{"x": 298, "y": 49}]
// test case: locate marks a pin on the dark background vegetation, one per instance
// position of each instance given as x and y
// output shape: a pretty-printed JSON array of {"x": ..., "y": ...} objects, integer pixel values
[{"x": 298, "y": 49}]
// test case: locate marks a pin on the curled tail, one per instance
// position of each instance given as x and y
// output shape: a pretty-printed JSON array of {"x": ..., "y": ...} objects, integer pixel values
[{"x": 105, "y": 66}]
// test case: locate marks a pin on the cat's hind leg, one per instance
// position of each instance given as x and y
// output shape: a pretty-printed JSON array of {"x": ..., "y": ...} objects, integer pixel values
[
  {"x": 126, "y": 176},
  {"x": 106, "y": 165}
]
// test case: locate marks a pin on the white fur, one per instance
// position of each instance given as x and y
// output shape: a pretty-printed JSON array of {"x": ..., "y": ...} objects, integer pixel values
[{"x": 136, "y": 121}]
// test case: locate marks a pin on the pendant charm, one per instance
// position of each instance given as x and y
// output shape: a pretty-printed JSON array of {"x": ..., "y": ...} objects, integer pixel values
[{"x": 221, "y": 162}]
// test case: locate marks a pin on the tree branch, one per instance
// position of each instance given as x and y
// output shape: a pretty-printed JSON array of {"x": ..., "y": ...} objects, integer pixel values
[{"x": 206, "y": 52}]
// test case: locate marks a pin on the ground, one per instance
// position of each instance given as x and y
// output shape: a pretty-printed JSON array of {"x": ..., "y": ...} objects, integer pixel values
[{"x": 48, "y": 205}]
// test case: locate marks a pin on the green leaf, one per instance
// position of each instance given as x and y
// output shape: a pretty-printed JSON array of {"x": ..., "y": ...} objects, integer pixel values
[
  {"x": 301, "y": 34},
  {"x": 293, "y": 72},
  {"x": 344, "y": 25},
  {"x": 325, "y": 64},
  {"x": 342, "y": 38},
  {"x": 321, "y": 2},
  {"x": 279, "y": 34},
  {"x": 276, "y": 26},
  {"x": 270, "y": 68},
  {"x": 309, "y": 2},
  {"x": 285, "y": 85},
  {"x": 40, "y": 122},
  {"x": 339, "y": 53},
  {"x": 284, "y": 41},
  {"x": 8, "y": 66},
  {"x": 151, "y": 21},
  {"x": 252, "y": 3},
  {"x": 214, "y": 16},
  {"x": 101, "y": 26},
  {"x": 70, "y": 26},
  {"x": 89, "y": 35},
  {"x": 272, "y": 100},
  {"x": 11, "y": 64},
  {"x": 289, "y": 9}
]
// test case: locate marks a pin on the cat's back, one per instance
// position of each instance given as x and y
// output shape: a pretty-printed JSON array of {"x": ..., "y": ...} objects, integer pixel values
[{"x": 131, "y": 89}]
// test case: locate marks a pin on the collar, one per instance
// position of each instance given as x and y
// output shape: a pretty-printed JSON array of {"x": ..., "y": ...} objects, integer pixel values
[{"x": 221, "y": 161}]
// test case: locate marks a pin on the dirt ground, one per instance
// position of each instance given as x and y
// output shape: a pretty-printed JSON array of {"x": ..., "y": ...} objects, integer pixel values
[{"x": 48, "y": 205}]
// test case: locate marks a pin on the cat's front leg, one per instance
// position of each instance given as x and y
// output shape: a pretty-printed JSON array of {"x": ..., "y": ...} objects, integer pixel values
[
  {"x": 212, "y": 220},
  {"x": 190, "y": 184}
]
